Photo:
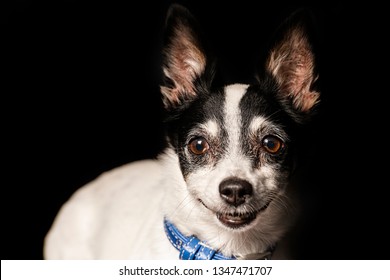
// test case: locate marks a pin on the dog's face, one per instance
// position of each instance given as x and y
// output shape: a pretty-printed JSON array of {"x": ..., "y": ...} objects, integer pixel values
[
  {"x": 235, "y": 144},
  {"x": 233, "y": 153}
]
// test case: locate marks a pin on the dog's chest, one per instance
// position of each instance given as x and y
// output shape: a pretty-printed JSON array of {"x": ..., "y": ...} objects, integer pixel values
[
  {"x": 132, "y": 226},
  {"x": 117, "y": 216}
]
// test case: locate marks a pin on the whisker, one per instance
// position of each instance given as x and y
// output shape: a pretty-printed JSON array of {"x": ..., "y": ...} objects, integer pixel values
[{"x": 182, "y": 204}]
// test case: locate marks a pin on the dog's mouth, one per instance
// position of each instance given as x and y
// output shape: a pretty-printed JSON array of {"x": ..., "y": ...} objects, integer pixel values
[{"x": 236, "y": 220}]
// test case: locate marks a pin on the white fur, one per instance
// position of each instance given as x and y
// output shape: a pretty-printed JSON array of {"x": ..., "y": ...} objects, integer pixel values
[
  {"x": 211, "y": 127},
  {"x": 256, "y": 123},
  {"x": 116, "y": 216},
  {"x": 234, "y": 93}
]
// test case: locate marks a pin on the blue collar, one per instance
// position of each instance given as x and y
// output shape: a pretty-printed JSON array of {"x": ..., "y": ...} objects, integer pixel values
[{"x": 191, "y": 248}]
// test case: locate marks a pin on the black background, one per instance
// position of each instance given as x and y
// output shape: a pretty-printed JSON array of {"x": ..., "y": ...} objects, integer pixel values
[{"x": 80, "y": 96}]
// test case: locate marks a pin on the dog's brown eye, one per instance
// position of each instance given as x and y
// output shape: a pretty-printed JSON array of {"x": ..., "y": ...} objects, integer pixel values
[
  {"x": 272, "y": 144},
  {"x": 198, "y": 146}
]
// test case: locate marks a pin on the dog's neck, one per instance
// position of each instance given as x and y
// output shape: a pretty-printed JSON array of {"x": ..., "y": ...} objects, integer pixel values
[
  {"x": 191, "y": 248},
  {"x": 192, "y": 219}
]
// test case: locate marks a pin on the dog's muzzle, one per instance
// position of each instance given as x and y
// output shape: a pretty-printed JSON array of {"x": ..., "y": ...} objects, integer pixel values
[
  {"x": 235, "y": 192},
  {"x": 236, "y": 220}
]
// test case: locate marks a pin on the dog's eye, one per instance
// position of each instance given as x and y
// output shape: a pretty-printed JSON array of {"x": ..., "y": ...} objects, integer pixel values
[
  {"x": 272, "y": 144},
  {"x": 198, "y": 146}
]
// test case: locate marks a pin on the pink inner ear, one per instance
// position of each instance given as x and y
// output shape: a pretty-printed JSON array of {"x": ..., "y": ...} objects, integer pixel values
[
  {"x": 185, "y": 62},
  {"x": 291, "y": 62}
]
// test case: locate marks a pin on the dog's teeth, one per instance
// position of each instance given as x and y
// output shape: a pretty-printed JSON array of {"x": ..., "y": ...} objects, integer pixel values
[
  {"x": 236, "y": 219},
  {"x": 236, "y": 216}
]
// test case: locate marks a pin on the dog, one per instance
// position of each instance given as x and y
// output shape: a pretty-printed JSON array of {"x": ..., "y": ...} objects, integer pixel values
[{"x": 221, "y": 187}]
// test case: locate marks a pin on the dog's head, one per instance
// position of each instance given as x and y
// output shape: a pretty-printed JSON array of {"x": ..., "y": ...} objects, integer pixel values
[{"x": 234, "y": 145}]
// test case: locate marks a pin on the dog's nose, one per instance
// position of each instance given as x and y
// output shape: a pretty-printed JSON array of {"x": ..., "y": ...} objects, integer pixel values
[{"x": 235, "y": 191}]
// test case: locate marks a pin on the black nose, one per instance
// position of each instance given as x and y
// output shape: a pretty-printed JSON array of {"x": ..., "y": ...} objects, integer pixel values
[{"x": 235, "y": 191}]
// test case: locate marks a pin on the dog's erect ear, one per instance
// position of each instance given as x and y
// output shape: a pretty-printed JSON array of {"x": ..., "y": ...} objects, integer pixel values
[
  {"x": 184, "y": 60},
  {"x": 291, "y": 62}
]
